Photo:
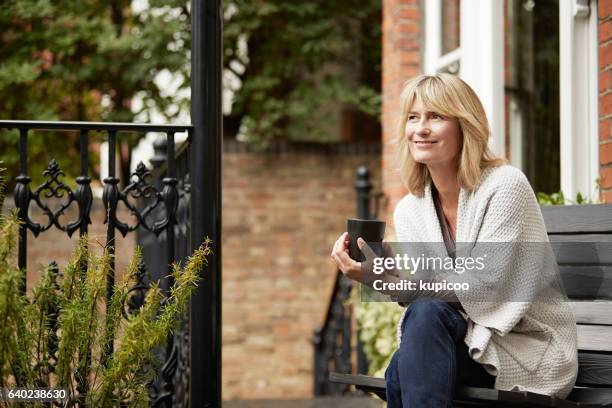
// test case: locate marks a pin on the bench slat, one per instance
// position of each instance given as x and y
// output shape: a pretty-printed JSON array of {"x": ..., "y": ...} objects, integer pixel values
[
  {"x": 595, "y": 369},
  {"x": 594, "y": 337},
  {"x": 580, "y": 237},
  {"x": 587, "y": 282},
  {"x": 601, "y": 396},
  {"x": 593, "y": 312},
  {"x": 574, "y": 219},
  {"x": 576, "y": 253},
  {"x": 486, "y": 396}
]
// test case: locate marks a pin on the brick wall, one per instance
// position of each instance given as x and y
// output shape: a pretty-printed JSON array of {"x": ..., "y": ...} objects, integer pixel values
[
  {"x": 401, "y": 61},
  {"x": 281, "y": 214},
  {"x": 605, "y": 99}
]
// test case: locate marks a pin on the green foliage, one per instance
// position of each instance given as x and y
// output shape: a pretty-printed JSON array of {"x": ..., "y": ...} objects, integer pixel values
[
  {"x": 87, "y": 60},
  {"x": 294, "y": 60},
  {"x": 289, "y": 65},
  {"x": 30, "y": 345},
  {"x": 377, "y": 324},
  {"x": 560, "y": 199}
]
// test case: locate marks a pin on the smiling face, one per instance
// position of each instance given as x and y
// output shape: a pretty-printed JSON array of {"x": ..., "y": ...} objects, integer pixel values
[{"x": 434, "y": 140}]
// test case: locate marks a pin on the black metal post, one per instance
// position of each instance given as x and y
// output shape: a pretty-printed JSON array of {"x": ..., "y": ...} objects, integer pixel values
[
  {"x": 84, "y": 195},
  {"x": 110, "y": 197},
  {"x": 363, "y": 187},
  {"x": 205, "y": 175},
  {"x": 22, "y": 202},
  {"x": 170, "y": 195},
  {"x": 111, "y": 181}
]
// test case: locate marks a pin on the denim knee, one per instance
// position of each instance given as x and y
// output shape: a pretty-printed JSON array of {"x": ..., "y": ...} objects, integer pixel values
[
  {"x": 424, "y": 309},
  {"x": 391, "y": 371},
  {"x": 427, "y": 315}
]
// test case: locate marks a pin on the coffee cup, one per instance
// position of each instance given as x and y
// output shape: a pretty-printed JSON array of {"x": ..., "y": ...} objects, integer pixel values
[{"x": 371, "y": 231}]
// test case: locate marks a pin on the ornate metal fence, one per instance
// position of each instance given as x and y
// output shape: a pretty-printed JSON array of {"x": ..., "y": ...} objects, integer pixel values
[
  {"x": 333, "y": 341},
  {"x": 179, "y": 204},
  {"x": 159, "y": 203}
]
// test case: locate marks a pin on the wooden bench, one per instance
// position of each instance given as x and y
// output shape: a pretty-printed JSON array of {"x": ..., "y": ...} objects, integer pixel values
[{"x": 582, "y": 239}]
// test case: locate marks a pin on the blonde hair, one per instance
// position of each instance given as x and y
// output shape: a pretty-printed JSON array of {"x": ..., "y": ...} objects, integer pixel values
[{"x": 448, "y": 96}]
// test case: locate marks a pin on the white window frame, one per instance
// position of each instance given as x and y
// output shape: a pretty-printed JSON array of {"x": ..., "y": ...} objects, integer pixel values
[
  {"x": 579, "y": 109},
  {"x": 480, "y": 56}
]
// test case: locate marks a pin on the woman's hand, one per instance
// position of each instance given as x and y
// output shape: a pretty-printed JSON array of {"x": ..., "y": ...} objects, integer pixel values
[
  {"x": 340, "y": 254},
  {"x": 350, "y": 268}
]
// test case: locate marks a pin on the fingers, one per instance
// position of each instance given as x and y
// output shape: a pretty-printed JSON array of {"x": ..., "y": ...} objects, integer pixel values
[
  {"x": 344, "y": 262},
  {"x": 349, "y": 267},
  {"x": 366, "y": 249},
  {"x": 340, "y": 244}
]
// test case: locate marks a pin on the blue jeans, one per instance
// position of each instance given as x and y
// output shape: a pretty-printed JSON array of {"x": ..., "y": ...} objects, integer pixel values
[{"x": 432, "y": 358}]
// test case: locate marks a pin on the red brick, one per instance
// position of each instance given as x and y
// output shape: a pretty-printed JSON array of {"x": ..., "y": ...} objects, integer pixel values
[
  {"x": 606, "y": 177},
  {"x": 406, "y": 44},
  {"x": 410, "y": 57},
  {"x": 407, "y": 27},
  {"x": 605, "y": 104},
  {"x": 305, "y": 199},
  {"x": 604, "y": 129},
  {"x": 406, "y": 14},
  {"x": 605, "y": 80},
  {"x": 605, "y": 153},
  {"x": 605, "y": 31},
  {"x": 604, "y": 9},
  {"x": 605, "y": 55}
]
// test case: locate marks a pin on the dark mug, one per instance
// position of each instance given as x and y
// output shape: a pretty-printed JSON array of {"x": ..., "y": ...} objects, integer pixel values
[{"x": 372, "y": 232}]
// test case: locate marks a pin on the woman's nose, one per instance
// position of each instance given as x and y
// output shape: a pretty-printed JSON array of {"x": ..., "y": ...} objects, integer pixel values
[{"x": 422, "y": 128}]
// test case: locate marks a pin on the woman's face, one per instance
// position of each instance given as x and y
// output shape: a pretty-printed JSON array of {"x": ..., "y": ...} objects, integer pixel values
[{"x": 433, "y": 139}]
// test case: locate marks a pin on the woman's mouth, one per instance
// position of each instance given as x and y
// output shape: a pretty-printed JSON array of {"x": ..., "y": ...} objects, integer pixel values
[{"x": 424, "y": 143}]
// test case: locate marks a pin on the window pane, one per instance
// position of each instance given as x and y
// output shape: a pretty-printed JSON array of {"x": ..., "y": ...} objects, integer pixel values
[
  {"x": 450, "y": 25},
  {"x": 532, "y": 90}
]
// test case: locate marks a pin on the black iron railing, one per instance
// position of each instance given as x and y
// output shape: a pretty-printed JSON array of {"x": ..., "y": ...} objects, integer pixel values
[
  {"x": 333, "y": 341},
  {"x": 156, "y": 204},
  {"x": 173, "y": 381}
]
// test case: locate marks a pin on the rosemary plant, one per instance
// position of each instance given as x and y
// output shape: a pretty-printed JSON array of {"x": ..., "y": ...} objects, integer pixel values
[{"x": 58, "y": 335}]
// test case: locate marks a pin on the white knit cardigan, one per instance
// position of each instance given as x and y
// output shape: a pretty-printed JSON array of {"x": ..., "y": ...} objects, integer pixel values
[{"x": 528, "y": 346}]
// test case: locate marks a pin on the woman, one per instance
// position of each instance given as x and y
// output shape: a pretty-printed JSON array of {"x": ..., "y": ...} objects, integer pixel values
[{"x": 459, "y": 192}]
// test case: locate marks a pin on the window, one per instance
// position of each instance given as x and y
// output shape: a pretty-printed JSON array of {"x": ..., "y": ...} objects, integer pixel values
[
  {"x": 578, "y": 97},
  {"x": 534, "y": 68},
  {"x": 532, "y": 90},
  {"x": 465, "y": 38}
]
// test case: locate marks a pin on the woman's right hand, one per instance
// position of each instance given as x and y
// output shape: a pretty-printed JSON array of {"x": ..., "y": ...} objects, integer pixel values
[{"x": 340, "y": 254}]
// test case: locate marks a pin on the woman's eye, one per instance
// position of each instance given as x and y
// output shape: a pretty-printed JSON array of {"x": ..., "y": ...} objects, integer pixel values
[
  {"x": 436, "y": 116},
  {"x": 412, "y": 117}
]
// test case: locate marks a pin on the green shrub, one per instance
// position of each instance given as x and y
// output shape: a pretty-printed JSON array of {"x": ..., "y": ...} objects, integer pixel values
[
  {"x": 377, "y": 324},
  {"x": 560, "y": 199},
  {"x": 58, "y": 336}
]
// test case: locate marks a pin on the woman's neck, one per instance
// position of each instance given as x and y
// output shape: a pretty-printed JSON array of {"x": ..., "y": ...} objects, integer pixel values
[{"x": 445, "y": 180}]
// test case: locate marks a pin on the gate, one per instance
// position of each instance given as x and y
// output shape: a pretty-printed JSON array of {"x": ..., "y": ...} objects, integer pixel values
[{"x": 179, "y": 204}]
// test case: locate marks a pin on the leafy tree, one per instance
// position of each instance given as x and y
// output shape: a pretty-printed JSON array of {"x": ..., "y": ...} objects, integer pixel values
[
  {"x": 285, "y": 62},
  {"x": 289, "y": 61},
  {"x": 87, "y": 60}
]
